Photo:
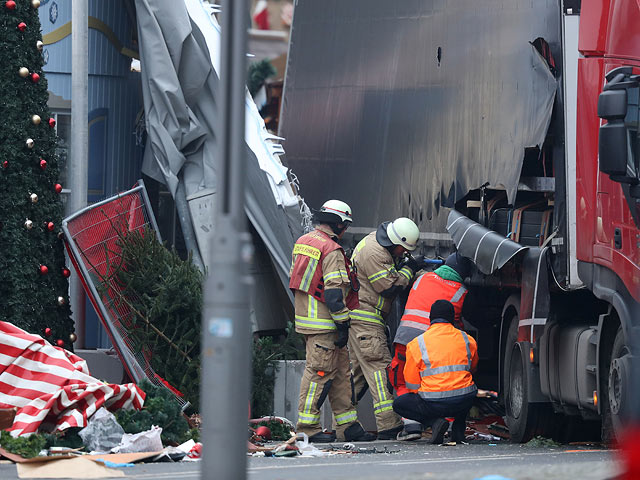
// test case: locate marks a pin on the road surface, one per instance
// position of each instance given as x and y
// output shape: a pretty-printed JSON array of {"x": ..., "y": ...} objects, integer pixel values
[{"x": 410, "y": 461}]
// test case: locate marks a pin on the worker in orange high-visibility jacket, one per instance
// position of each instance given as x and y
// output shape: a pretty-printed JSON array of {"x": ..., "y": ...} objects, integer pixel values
[
  {"x": 445, "y": 283},
  {"x": 438, "y": 374},
  {"x": 325, "y": 291},
  {"x": 383, "y": 272}
]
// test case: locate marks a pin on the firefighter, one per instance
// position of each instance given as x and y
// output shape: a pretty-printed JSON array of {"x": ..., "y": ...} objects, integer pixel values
[
  {"x": 377, "y": 259},
  {"x": 325, "y": 290},
  {"x": 438, "y": 375},
  {"x": 445, "y": 283}
]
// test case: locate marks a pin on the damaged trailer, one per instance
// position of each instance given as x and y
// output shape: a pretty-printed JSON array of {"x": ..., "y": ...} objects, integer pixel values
[{"x": 479, "y": 120}]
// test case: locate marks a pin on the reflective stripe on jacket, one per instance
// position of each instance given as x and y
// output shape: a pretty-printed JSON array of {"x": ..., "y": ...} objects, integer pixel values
[
  {"x": 306, "y": 272},
  {"x": 319, "y": 263},
  {"x": 440, "y": 362},
  {"x": 376, "y": 272},
  {"x": 425, "y": 291}
]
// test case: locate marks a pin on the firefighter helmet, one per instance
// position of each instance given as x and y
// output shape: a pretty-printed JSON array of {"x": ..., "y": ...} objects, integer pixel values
[
  {"x": 402, "y": 231},
  {"x": 335, "y": 211}
]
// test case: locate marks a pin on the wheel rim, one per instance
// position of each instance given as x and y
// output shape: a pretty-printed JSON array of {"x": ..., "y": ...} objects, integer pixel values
[
  {"x": 516, "y": 383},
  {"x": 617, "y": 382}
]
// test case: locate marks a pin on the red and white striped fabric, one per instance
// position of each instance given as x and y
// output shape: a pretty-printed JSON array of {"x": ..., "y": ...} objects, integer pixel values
[{"x": 51, "y": 387}]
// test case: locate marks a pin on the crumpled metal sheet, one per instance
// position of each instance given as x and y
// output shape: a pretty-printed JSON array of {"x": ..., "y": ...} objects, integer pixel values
[
  {"x": 399, "y": 108},
  {"x": 488, "y": 249},
  {"x": 180, "y": 63}
]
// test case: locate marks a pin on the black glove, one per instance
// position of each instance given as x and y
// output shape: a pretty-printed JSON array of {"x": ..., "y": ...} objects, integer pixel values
[
  {"x": 343, "y": 334},
  {"x": 415, "y": 263}
]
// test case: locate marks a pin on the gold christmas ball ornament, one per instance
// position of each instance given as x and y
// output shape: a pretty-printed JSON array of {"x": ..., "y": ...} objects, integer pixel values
[
  {"x": 30, "y": 142},
  {"x": 61, "y": 301},
  {"x": 35, "y": 119},
  {"x": 72, "y": 337},
  {"x": 35, "y": 3},
  {"x": 39, "y": 45},
  {"x": 34, "y": 198},
  {"x": 24, "y": 72},
  {"x": 28, "y": 224}
]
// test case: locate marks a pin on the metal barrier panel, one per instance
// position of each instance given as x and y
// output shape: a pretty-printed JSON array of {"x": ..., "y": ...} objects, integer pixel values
[{"x": 91, "y": 238}]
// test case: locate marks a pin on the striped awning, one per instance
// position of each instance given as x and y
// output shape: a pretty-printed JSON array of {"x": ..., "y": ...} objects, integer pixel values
[{"x": 51, "y": 387}]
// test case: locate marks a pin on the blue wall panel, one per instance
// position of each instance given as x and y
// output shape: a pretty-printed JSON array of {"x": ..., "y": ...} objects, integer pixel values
[{"x": 115, "y": 98}]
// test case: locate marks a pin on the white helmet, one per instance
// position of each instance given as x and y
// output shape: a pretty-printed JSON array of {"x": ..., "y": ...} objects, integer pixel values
[
  {"x": 337, "y": 208},
  {"x": 402, "y": 231}
]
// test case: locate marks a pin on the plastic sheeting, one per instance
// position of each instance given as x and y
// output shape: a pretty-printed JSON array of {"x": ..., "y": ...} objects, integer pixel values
[
  {"x": 179, "y": 53},
  {"x": 400, "y": 107},
  {"x": 488, "y": 249}
]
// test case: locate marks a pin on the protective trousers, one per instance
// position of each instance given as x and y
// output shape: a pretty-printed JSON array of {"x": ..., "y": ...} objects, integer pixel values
[
  {"x": 326, "y": 374},
  {"x": 370, "y": 358},
  {"x": 396, "y": 377}
]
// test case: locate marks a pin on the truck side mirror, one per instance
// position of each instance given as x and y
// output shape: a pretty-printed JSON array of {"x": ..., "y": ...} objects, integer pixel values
[
  {"x": 612, "y": 144},
  {"x": 618, "y": 138}
]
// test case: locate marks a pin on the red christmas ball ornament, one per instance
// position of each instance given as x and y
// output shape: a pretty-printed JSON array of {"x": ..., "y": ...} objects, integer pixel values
[
  {"x": 66, "y": 273},
  {"x": 52, "y": 122},
  {"x": 22, "y": 26},
  {"x": 47, "y": 332},
  {"x": 60, "y": 342},
  {"x": 264, "y": 432},
  {"x": 5, "y": 164},
  {"x": 35, "y": 78},
  {"x": 58, "y": 188},
  {"x": 10, "y": 5},
  {"x": 44, "y": 269},
  {"x": 43, "y": 163},
  {"x": 50, "y": 226}
]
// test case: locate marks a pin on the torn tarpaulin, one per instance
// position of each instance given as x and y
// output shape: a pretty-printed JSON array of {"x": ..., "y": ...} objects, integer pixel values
[{"x": 179, "y": 52}]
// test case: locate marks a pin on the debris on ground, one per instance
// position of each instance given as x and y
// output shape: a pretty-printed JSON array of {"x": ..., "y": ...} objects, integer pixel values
[{"x": 542, "y": 442}]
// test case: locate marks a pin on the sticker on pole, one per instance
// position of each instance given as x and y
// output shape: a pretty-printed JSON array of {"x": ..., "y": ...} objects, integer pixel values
[{"x": 221, "y": 327}]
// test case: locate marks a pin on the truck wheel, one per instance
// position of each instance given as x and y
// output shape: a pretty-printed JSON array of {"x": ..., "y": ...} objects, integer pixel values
[
  {"x": 523, "y": 419},
  {"x": 615, "y": 385}
]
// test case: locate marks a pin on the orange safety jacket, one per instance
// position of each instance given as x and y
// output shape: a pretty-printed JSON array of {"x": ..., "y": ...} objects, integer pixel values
[
  {"x": 306, "y": 271},
  {"x": 440, "y": 362},
  {"x": 425, "y": 291}
]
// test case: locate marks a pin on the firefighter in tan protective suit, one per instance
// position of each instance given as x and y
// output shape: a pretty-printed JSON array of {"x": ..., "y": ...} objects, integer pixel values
[
  {"x": 325, "y": 290},
  {"x": 377, "y": 259}
]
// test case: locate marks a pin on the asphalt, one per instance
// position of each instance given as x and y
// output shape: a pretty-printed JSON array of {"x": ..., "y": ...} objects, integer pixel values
[{"x": 410, "y": 461}]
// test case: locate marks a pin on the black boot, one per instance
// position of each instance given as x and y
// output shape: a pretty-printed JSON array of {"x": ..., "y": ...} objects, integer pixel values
[
  {"x": 322, "y": 437},
  {"x": 355, "y": 433},
  {"x": 438, "y": 429},
  {"x": 458, "y": 430},
  {"x": 390, "y": 433}
]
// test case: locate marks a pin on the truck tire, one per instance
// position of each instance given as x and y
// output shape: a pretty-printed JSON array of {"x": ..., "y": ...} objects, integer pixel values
[
  {"x": 615, "y": 384},
  {"x": 524, "y": 419}
]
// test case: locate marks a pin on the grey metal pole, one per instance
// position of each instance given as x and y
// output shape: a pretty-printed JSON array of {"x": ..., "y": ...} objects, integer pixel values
[
  {"x": 226, "y": 366},
  {"x": 78, "y": 165}
]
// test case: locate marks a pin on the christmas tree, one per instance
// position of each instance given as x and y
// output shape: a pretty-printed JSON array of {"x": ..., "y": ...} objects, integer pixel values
[{"x": 33, "y": 274}]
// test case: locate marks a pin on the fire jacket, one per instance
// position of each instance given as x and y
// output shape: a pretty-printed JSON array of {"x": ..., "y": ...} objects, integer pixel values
[
  {"x": 440, "y": 362},
  {"x": 377, "y": 274},
  {"x": 323, "y": 283},
  {"x": 427, "y": 289}
]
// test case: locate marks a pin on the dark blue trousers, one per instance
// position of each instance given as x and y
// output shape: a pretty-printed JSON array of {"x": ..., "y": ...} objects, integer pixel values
[{"x": 411, "y": 405}]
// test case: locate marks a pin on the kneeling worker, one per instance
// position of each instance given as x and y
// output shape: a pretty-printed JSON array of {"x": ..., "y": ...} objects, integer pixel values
[
  {"x": 438, "y": 373},
  {"x": 445, "y": 283},
  {"x": 325, "y": 289}
]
